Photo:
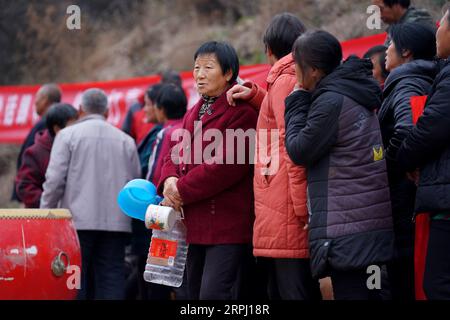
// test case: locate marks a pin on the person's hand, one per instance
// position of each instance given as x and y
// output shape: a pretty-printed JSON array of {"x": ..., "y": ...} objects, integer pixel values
[
  {"x": 171, "y": 195},
  {"x": 414, "y": 176},
  {"x": 238, "y": 92},
  {"x": 168, "y": 203},
  {"x": 305, "y": 222}
]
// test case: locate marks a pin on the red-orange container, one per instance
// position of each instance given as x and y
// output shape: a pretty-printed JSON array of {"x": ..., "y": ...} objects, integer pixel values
[{"x": 40, "y": 255}]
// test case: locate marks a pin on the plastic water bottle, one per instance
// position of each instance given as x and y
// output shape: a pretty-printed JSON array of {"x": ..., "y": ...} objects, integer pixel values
[
  {"x": 167, "y": 256},
  {"x": 168, "y": 248}
]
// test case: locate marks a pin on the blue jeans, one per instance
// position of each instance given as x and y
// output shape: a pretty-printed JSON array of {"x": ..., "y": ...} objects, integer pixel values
[{"x": 103, "y": 265}]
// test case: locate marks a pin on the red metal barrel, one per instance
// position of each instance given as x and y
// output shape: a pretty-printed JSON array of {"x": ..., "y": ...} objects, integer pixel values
[{"x": 39, "y": 255}]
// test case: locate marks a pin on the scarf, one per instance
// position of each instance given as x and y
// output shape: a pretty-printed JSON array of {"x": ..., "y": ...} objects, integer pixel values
[{"x": 206, "y": 107}]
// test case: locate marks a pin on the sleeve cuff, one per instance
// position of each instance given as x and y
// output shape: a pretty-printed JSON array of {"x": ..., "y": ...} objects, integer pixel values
[{"x": 257, "y": 94}]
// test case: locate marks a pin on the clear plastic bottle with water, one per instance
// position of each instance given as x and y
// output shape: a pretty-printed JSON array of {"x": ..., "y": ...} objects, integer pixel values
[{"x": 167, "y": 256}]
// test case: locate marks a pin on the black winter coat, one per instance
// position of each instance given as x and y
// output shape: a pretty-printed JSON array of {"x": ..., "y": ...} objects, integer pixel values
[
  {"x": 411, "y": 79},
  {"x": 335, "y": 133},
  {"x": 428, "y": 148}
]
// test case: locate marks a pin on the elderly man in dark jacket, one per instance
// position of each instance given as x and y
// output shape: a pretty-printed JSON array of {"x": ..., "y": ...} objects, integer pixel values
[
  {"x": 46, "y": 96},
  {"x": 400, "y": 11},
  {"x": 332, "y": 129},
  {"x": 428, "y": 148}
]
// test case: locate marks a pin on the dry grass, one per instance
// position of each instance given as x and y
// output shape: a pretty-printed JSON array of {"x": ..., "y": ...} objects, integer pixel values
[{"x": 150, "y": 36}]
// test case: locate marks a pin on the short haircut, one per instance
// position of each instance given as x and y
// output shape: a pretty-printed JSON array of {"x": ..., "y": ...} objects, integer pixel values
[
  {"x": 172, "y": 100},
  {"x": 226, "y": 56},
  {"x": 318, "y": 49},
  {"x": 418, "y": 38},
  {"x": 374, "y": 50},
  {"x": 52, "y": 92},
  {"x": 381, "y": 51},
  {"x": 94, "y": 101},
  {"x": 281, "y": 34},
  {"x": 59, "y": 114},
  {"x": 153, "y": 92},
  {"x": 171, "y": 76},
  {"x": 403, "y": 3}
]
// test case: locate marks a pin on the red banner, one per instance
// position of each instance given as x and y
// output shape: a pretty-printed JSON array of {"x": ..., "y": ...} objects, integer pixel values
[{"x": 17, "y": 114}]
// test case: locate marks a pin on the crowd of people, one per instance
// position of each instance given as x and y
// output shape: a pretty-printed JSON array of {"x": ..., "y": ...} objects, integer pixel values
[{"x": 352, "y": 168}]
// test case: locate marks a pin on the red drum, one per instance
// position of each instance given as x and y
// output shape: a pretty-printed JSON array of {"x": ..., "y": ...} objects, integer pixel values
[{"x": 39, "y": 255}]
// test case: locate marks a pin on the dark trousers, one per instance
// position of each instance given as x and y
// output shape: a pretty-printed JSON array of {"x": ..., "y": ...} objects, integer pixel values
[
  {"x": 103, "y": 265},
  {"x": 253, "y": 278},
  {"x": 352, "y": 285},
  {"x": 213, "y": 271},
  {"x": 401, "y": 278},
  {"x": 291, "y": 279},
  {"x": 277, "y": 279},
  {"x": 436, "y": 283}
]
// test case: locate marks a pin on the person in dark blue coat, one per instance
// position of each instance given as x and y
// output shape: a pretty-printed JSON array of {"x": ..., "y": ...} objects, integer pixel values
[
  {"x": 409, "y": 59},
  {"x": 332, "y": 130},
  {"x": 428, "y": 148}
]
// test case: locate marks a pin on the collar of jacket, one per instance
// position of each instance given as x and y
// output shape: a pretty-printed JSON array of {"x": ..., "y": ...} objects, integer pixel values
[
  {"x": 219, "y": 107},
  {"x": 353, "y": 78},
  {"x": 414, "y": 69},
  {"x": 285, "y": 65},
  {"x": 405, "y": 16},
  {"x": 91, "y": 117},
  {"x": 172, "y": 122},
  {"x": 446, "y": 63},
  {"x": 157, "y": 127},
  {"x": 44, "y": 139},
  {"x": 414, "y": 14}
]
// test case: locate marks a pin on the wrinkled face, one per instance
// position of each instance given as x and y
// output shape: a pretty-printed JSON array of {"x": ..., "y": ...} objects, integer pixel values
[
  {"x": 209, "y": 77},
  {"x": 149, "y": 110},
  {"x": 443, "y": 38},
  {"x": 41, "y": 103},
  {"x": 393, "y": 59},
  {"x": 387, "y": 13}
]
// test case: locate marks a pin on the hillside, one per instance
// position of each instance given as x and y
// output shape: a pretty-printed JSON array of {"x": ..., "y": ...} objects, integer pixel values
[{"x": 122, "y": 39}]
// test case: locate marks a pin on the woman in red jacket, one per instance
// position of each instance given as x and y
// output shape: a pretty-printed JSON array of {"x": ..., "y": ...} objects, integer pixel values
[
  {"x": 31, "y": 174},
  {"x": 214, "y": 188},
  {"x": 280, "y": 232},
  {"x": 170, "y": 108}
]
